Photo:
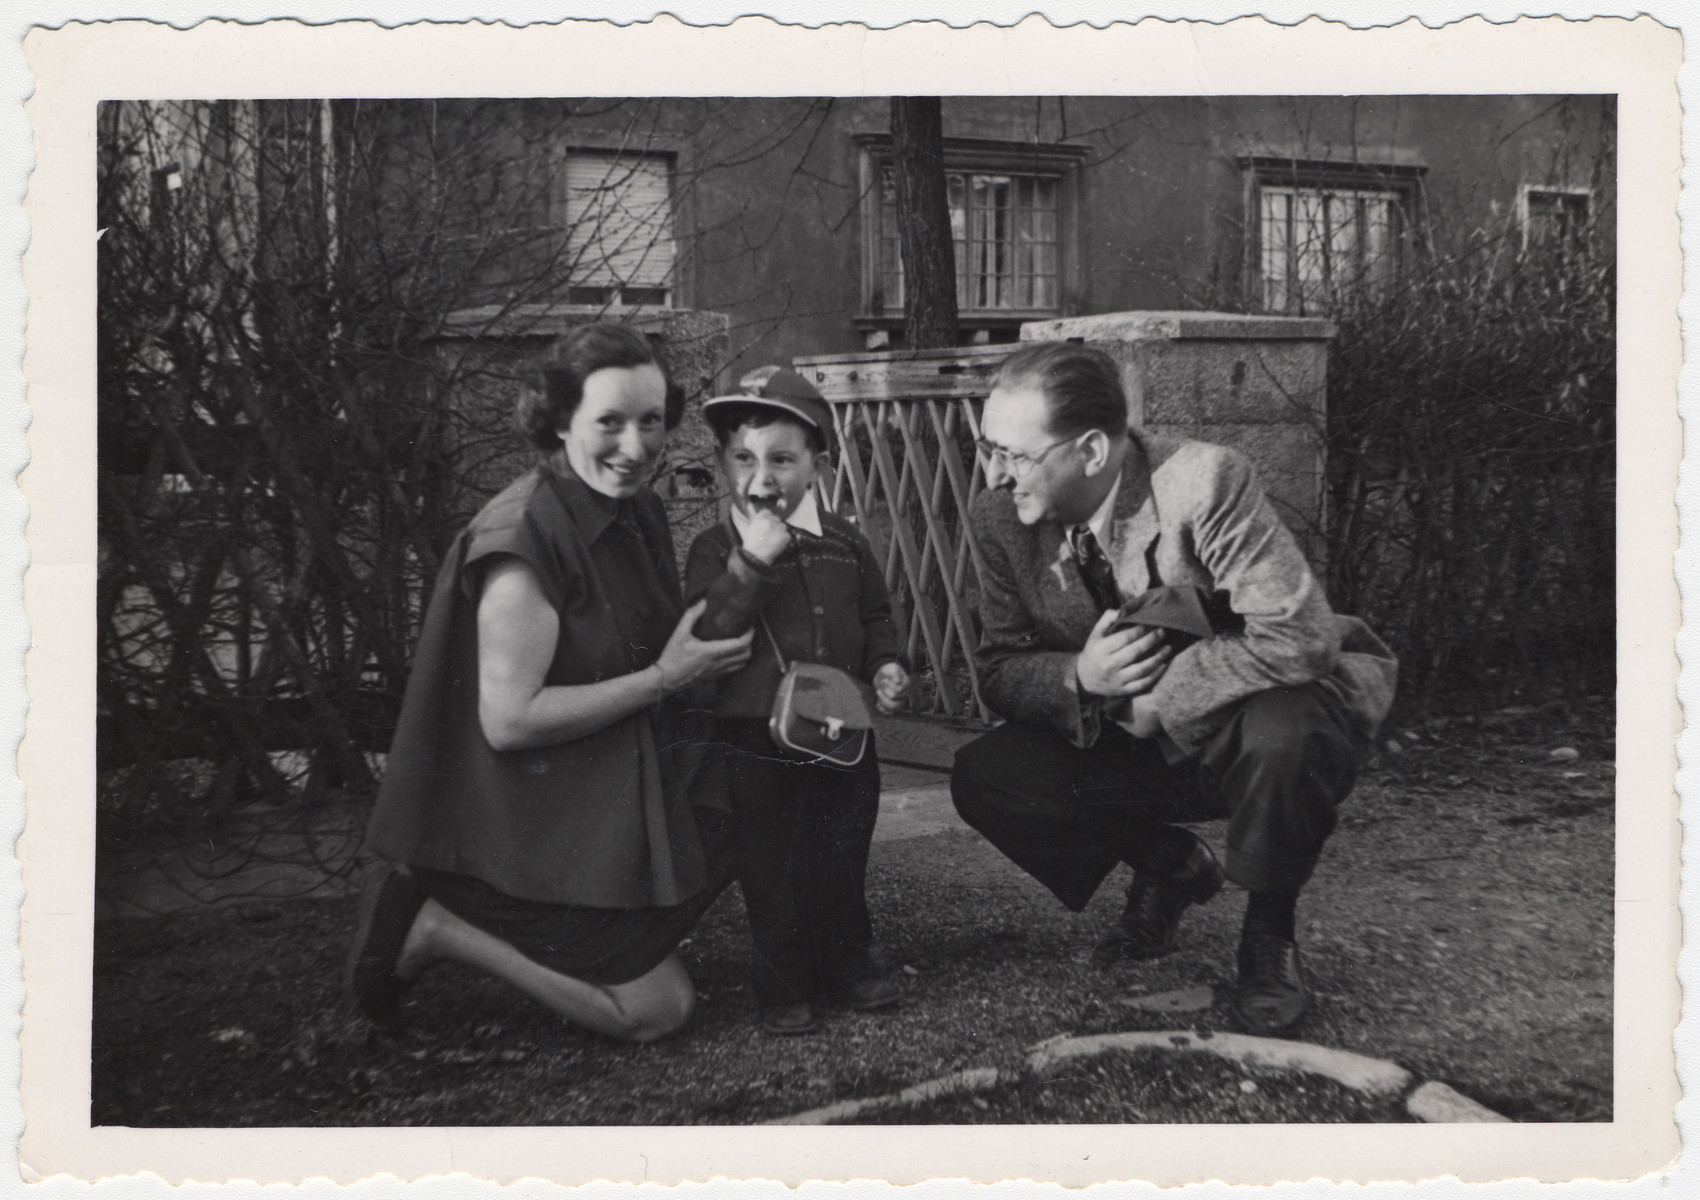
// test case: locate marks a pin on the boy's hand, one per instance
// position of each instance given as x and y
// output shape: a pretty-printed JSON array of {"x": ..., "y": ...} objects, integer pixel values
[
  {"x": 767, "y": 535},
  {"x": 890, "y": 682}
]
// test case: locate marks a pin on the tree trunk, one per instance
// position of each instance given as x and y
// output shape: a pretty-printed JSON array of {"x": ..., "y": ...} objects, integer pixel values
[{"x": 923, "y": 222}]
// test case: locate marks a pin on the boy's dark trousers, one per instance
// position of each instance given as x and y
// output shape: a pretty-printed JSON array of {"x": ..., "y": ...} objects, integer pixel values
[{"x": 803, "y": 833}]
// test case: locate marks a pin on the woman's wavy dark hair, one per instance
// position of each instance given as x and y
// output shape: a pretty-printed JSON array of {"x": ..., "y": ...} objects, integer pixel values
[
  {"x": 1082, "y": 383},
  {"x": 554, "y": 385}
]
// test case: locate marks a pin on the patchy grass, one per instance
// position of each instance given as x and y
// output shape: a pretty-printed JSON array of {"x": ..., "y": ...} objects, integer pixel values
[{"x": 1461, "y": 925}]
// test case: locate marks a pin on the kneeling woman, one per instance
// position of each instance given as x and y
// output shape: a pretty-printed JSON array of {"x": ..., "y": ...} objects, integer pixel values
[{"x": 532, "y": 801}]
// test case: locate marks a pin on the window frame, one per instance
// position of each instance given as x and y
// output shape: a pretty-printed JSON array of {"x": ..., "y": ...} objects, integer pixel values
[
  {"x": 979, "y": 156},
  {"x": 1261, "y": 171},
  {"x": 1525, "y": 226}
]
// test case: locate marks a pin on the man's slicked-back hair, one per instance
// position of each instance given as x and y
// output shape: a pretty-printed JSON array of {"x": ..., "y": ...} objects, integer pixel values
[
  {"x": 555, "y": 384},
  {"x": 1082, "y": 385}
]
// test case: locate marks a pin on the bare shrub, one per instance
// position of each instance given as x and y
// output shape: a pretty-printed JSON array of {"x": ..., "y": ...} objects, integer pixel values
[
  {"x": 1471, "y": 456},
  {"x": 298, "y": 408}
]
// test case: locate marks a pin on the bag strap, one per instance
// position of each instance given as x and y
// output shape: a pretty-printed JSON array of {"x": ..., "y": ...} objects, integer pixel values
[{"x": 774, "y": 642}]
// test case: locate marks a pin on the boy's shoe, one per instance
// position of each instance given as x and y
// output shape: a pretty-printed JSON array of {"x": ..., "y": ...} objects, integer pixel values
[
  {"x": 1150, "y": 925},
  {"x": 871, "y": 995},
  {"x": 391, "y": 901},
  {"x": 789, "y": 1019}
]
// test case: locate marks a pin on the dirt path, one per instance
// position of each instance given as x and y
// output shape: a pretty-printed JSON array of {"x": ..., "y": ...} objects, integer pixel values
[{"x": 1461, "y": 925}]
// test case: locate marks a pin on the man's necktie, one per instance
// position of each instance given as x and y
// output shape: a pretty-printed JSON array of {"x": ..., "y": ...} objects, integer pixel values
[{"x": 1095, "y": 569}]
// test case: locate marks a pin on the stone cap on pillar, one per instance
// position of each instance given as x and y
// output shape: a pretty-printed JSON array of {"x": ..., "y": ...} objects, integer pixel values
[
  {"x": 1255, "y": 382},
  {"x": 1178, "y": 326}
]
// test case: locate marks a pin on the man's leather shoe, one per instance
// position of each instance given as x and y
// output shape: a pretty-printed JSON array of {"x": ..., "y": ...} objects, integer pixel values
[
  {"x": 870, "y": 995},
  {"x": 1150, "y": 924},
  {"x": 788, "y": 1019},
  {"x": 1270, "y": 996}
]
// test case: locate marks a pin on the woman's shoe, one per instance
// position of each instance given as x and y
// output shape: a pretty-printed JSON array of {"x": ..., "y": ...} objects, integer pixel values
[
  {"x": 388, "y": 906},
  {"x": 789, "y": 1019}
]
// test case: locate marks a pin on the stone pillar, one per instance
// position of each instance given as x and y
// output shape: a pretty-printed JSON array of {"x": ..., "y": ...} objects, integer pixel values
[{"x": 1255, "y": 383}]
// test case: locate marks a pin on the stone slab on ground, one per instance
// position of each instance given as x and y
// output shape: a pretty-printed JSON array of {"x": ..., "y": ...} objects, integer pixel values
[
  {"x": 921, "y": 742},
  {"x": 895, "y": 777},
  {"x": 958, "y": 1083},
  {"x": 1192, "y": 999},
  {"x": 1375, "y": 1079},
  {"x": 1356, "y": 1071},
  {"x": 916, "y": 812},
  {"x": 1439, "y": 1104}
]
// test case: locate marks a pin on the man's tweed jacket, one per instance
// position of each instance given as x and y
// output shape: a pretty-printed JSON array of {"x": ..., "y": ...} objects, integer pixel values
[{"x": 1201, "y": 514}]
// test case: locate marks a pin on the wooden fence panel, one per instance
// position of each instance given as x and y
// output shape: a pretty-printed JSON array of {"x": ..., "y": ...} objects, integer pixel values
[{"x": 908, "y": 472}]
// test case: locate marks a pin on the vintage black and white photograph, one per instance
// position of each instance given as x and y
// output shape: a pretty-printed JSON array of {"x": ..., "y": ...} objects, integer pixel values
[{"x": 881, "y": 610}]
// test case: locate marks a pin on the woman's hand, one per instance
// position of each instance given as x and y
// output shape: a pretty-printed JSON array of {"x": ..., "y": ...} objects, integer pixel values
[
  {"x": 687, "y": 659},
  {"x": 517, "y": 635}
]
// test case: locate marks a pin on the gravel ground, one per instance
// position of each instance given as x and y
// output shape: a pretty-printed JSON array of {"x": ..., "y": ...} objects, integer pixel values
[{"x": 1460, "y": 925}]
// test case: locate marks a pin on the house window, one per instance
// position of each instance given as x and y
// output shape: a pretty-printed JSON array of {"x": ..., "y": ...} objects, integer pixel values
[
  {"x": 619, "y": 215},
  {"x": 1555, "y": 217},
  {"x": 1320, "y": 243},
  {"x": 1005, "y": 230},
  {"x": 1328, "y": 234},
  {"x": 1012, "y": 226}
]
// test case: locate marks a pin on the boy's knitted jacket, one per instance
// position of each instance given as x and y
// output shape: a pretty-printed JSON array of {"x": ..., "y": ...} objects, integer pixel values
[{"x": 824, "y": 599}]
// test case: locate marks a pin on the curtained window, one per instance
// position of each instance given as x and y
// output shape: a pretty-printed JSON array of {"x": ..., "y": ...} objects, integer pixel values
[
  {"x": 1322, "y": 243},
  {"x": 1005, "y": 230},
  {"x": 1322, "y": 234},
  {"x": 1014, "y": 229}
]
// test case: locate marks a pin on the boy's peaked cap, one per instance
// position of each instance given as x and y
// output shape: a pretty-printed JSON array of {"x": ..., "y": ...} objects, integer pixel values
[{"x": 783, "y": 389}]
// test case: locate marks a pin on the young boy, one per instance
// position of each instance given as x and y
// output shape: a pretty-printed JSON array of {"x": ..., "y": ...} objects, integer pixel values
[{"x": 803, "y": 828}]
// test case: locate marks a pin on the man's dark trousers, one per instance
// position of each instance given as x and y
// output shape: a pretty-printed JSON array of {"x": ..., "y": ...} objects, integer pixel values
[{"x": 1277, "y": 770}]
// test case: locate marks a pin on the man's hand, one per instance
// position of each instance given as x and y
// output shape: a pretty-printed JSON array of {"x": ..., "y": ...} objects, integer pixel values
[
  {"x": 1128, "y": 662},
  {"x": 766, "y": 536},
  {"x": 890, "y": 682}
]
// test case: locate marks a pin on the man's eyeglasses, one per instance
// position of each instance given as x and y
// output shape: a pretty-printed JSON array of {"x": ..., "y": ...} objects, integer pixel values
[{"x": 1015, "y": 462}]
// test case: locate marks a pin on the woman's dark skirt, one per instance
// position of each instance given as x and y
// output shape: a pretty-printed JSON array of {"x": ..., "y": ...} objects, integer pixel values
[{"x": 602, "y": 946}]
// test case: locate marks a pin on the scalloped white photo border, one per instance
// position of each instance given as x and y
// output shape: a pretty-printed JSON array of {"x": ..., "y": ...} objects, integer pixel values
[{"x": 75, "y": 66}]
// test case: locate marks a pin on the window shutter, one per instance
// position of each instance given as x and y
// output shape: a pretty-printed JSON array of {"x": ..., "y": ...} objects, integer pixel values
[{"x": 619, "y": 210}]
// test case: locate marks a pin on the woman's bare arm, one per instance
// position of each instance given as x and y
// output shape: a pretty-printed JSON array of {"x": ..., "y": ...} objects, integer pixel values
[{"x": 517, "y": 634}]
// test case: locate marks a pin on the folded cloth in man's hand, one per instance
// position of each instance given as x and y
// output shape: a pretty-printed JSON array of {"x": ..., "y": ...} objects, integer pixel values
[{"x": 1189, "y": 613}]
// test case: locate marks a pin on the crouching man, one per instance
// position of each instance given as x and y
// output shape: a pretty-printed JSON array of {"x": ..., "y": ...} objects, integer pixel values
[{"x": 1119, "y": 729}]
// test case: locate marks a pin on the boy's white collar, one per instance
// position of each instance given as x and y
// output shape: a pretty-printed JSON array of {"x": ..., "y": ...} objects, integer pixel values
[{"x": 806, "y": 516}]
